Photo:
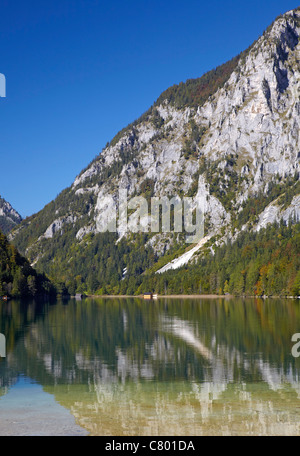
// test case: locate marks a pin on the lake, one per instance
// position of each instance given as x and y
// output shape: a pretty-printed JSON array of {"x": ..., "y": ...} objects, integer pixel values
[{"x": 169, "y": 367}]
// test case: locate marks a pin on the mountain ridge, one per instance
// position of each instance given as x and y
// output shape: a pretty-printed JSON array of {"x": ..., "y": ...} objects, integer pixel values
[{"x": 9, "y": 217}]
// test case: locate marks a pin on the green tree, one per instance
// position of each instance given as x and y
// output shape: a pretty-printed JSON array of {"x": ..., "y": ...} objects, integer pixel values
[{"x": 296, "y": 285}]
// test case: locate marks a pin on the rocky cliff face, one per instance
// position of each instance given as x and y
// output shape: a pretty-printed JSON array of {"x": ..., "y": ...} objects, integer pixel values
[
  {"x": 255, "y": 117},
  {"x": 235, "y": 154},
  {"x": 9, "y": 217}
]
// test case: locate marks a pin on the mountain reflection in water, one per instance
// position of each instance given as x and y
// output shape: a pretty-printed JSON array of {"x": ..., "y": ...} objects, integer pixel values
[{"x": 169, "y": 367}]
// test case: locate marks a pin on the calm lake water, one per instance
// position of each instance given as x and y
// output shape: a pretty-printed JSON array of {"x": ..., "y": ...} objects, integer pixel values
[{"x": 171, "y": 367}]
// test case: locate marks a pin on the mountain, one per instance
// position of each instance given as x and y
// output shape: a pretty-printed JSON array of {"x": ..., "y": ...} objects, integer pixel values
[
  {"x": 9, "y": 217},
  {"x": 228, "y": 141}
]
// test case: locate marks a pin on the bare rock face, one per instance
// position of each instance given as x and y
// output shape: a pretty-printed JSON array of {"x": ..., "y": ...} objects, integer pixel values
[
  {"x": 255, "y": 116},
  {"x": 9, "y": 217},
  {"x": 242, "y": 141}
]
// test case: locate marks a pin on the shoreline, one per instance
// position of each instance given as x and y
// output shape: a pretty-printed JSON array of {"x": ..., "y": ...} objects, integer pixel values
[
  {"x": 198, "y": 296},
  {"x": 207, "y": 296}
]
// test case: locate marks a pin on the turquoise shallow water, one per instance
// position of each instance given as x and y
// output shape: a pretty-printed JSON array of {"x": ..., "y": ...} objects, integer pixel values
[
  {"x": 26, "y": 410},
  {"x": 166, "y": 367}
]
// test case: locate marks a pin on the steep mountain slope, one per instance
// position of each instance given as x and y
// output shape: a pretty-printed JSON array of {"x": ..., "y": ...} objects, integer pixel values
[
  {"x": 9, "y": 217},
  {"x": 228, "y": 140}
]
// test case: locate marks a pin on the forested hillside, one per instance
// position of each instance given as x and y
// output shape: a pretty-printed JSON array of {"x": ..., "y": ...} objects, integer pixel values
[
  {"x": 256, "y": 264},
  {"x": 17, "y": 277}
]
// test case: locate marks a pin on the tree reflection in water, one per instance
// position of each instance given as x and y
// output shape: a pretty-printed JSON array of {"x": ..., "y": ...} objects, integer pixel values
[{"x": 169, "y": 367}]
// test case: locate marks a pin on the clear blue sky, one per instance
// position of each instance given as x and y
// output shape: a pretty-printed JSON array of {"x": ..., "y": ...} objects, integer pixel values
[{"x": 77, "y": 71}]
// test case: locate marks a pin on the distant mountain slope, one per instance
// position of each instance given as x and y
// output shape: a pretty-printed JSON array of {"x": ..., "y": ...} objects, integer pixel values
[
  {"x": 229, "y": 140},
  {"x": 9, "y": 217}
]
